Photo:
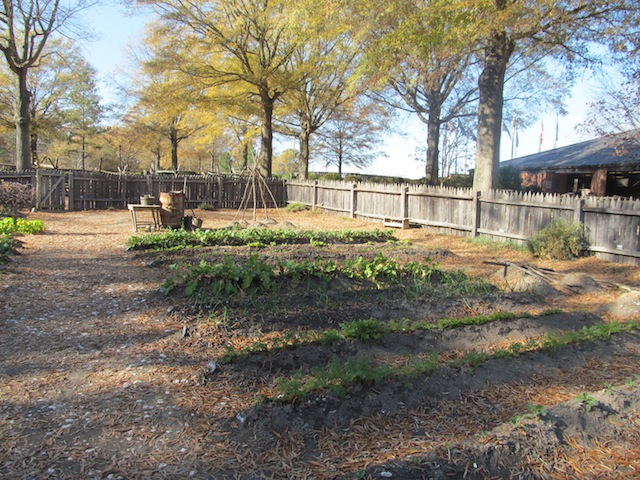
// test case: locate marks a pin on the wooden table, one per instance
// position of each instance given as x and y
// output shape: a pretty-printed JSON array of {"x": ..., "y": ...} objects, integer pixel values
[{"x": 154, "y": 221}]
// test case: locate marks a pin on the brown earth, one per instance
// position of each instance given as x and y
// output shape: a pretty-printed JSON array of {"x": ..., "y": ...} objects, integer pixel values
[{"x": 102, "y": 376}]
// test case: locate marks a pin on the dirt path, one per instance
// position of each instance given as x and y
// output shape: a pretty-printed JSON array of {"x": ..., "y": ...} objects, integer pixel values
[
  {"x": 77, "y": 324},
  {"x": 90, "y": 383},
  {"x": 94, "y": 382}
]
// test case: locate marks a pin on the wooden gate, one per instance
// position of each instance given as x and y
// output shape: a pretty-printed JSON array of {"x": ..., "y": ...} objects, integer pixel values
[{"x": 50, "y": 190}]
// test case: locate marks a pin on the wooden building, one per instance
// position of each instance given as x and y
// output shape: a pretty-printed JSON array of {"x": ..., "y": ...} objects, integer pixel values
[{"x": 605, "y": 166}]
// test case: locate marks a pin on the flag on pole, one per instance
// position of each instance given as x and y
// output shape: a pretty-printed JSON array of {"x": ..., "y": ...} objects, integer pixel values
[
  {"x": 541, "y": 134},
  {"x": 514, "y": 139},
  {"x": 555, "y": 141},
  {"x": 505, "y": 129}
]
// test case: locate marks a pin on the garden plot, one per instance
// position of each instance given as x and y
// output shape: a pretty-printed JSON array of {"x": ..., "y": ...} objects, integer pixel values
[
  {"x": 336, "y": 342},
  {"x": 344, "y": 357}
]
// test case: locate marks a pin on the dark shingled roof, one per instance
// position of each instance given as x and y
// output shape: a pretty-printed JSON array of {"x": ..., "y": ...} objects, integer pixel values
[{"x": 611, "y": 152}]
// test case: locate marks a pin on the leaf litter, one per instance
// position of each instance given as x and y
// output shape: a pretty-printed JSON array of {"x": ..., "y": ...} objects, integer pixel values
[{"x": 99, "y": 381}]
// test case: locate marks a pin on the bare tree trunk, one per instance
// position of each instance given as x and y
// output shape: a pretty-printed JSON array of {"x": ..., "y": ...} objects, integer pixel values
[
  {"x": 303, "y": 139},
  {"x": 491, "y": 87},
  {"x": 433, "y": 142},
  {"x": 23, "y": 122},
  {"x": 173, "y": 136},
  {"x": 266, "y": 137},
  {"x": 245, "y": 156},
  {"x": 83, "y": 153},
  {"x": 33, "y": 140}
]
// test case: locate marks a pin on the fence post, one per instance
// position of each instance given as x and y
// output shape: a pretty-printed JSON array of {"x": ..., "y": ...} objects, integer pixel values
[
  {"x": 150, "y": 186},
  {"x": 218, "y": 198},
  {"x": 476, "y": 215},
  {"x": 71, "y": 192},
  {"x": 38, "y": 189},
  {"x": 314, "y": 201},
  {"x": 578, "y": 211},
  {"x": 404, "y": 202},
  {"x": 354, "y": 201},
  {"x": 284, "y": 197}
]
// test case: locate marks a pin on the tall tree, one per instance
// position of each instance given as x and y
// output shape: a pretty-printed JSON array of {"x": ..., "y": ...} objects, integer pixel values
[
  {"x": 57, "y": 87},
  {"x": 351, "y": 136},
  {"x": 563, "y": 28},
  {"x": 616, "y": 110},
  {"x": 428, "y": 65},
  {"x": 243, "y": 44},
  {"x": 330, "y": 81},
  {"x": 85, "y": 111},
  {"x": 25, "y": 28}
]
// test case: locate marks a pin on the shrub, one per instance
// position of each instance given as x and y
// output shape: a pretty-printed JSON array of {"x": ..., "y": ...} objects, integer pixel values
[
  {"x": 13, "y": 197},
  {"x": 296, "y": 207},
  {"x": 331, "y": 176},
  {"x": 206, "y": 206},
  {"x": 509, "y": 179},
  {"x": 8, "y": 246},
  {"x": 458, "y": 180},
  {"x": 19, "y": 225},
  {"x": 562, "y": 240}
]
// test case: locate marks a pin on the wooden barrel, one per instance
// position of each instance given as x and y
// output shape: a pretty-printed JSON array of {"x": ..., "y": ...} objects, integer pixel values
[{"x": 172, "y": 209}]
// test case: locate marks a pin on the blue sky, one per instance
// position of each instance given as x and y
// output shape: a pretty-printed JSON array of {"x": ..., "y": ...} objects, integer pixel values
[{"x": 116, "y": 27}]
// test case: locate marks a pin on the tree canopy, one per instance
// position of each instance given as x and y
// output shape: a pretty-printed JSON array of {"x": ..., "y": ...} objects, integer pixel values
[{"x": 214, "y": 81}]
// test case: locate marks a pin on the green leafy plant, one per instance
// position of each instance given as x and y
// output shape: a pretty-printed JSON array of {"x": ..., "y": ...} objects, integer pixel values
[
  {"x": 339, "y": 377},
  {"x": 206, "y": 206},
  {"x": 8, "y": 246},
  {"x": 334, "y": 377},
  {"x": 363, "y": 329},
  {"x": 206, "y": 282},
  {"x": 317, "y": 243},
  {"x": 20, "y": 225},
  {"x": 536, "y": 410},
  {"x": 176, "y": 239},
  {"x": 562, "y": 240},
  {"x": 586, "y": 401}
]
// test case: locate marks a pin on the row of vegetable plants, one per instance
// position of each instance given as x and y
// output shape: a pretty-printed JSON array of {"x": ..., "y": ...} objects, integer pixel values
[
  {"x": 235, "y": 236},
  {"x": 206, "y": 283}
]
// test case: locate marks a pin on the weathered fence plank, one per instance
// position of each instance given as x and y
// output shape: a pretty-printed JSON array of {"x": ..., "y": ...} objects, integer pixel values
[
  {"x": 612, "y": 225},
  {"x": 93, "y": 190}
]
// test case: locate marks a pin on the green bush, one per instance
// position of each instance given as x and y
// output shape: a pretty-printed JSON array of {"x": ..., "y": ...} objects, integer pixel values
[
  {"x": 331, "y": 176},
  {"x": 19, "y": 225},
  {"x": 206, "y": 206},
  {"x": 8, "y": 246},
  {"x": 296, "y": 207},
  {"x": 562, "y": 240},
  {"x": 509, "y": 179}
]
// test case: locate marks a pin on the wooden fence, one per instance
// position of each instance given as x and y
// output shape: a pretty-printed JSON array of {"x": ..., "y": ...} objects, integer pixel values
[
  {"x": 612, "y": 224},
  {"x": 82, "y": 190}
]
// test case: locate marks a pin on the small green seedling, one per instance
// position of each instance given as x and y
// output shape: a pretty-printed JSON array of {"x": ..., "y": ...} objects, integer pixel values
[
  {"x": 536, "y": 410},
  {"x": 587, "y": 401}
]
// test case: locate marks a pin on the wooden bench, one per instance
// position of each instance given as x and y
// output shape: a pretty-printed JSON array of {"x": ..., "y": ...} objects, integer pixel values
[
  {"x": 396, "y": 223},
  {"x": 137, "y": 222}
]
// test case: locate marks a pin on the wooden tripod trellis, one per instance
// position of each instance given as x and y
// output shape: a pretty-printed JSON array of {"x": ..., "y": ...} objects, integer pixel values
[{"x": 257, "y": 184}]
